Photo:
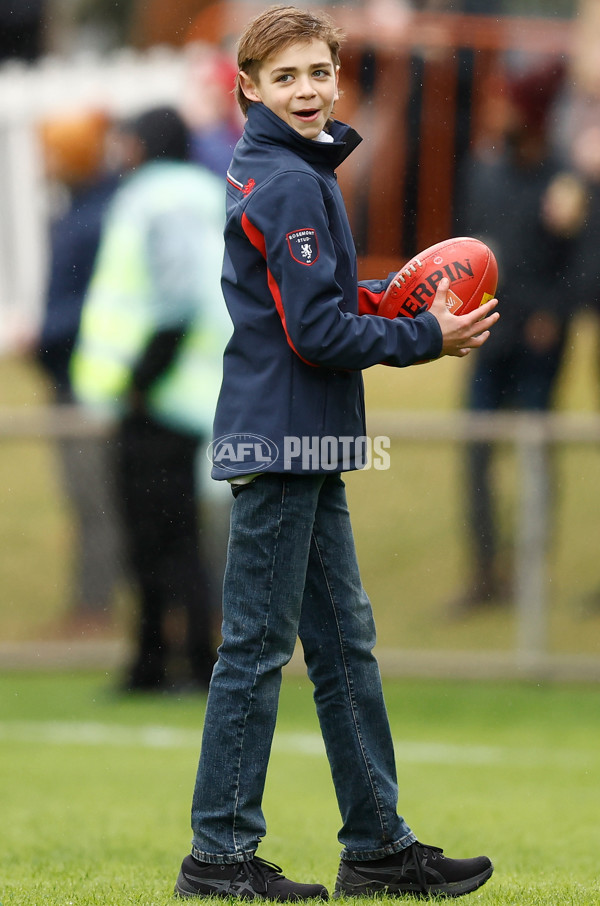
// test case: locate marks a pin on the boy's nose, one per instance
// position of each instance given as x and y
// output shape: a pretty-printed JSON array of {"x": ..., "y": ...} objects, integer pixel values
[{"x": 305, "y": 88}]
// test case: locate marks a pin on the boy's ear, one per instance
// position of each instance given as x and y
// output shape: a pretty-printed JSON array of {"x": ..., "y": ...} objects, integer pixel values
[
  {"x": 248, "y": 87},
  {"x": 337, "y": 84}
]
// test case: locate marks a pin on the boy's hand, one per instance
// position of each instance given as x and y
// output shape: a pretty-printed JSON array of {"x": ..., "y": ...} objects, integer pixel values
[{"x": 461, "y": 333}]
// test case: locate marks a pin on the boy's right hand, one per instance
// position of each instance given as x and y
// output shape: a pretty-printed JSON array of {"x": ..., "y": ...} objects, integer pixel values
[{"x": 462, "y": 333}]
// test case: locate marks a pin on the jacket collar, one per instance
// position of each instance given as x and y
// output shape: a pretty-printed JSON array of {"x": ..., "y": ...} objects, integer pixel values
[{"x": 265, "y": 126}]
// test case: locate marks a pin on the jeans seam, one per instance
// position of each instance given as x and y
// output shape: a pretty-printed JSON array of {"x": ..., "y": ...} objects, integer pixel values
[
  {"x": 222, "y": 858},
  {"x": 350, "y": 687},
  {"x": 258, "y": 662}
]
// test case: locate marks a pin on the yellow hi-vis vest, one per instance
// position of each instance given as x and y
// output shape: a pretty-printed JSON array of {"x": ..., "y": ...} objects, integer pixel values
[{"x": 158, "y": 267}]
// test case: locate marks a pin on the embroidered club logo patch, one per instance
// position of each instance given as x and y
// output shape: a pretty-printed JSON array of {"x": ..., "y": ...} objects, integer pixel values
[{"x": 303, "y": 246}]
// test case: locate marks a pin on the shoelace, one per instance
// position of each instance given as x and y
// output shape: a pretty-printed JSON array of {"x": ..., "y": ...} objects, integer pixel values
[
  {"x": 261, "y": 869},
  {"x": 418, "y": 854}
]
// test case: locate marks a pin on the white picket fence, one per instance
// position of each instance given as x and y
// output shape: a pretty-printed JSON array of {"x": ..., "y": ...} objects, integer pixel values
[{"x": 123, "y": 83}]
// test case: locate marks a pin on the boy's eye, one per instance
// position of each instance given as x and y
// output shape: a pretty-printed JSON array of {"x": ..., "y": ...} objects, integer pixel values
[{"x": 316, "y": 74}]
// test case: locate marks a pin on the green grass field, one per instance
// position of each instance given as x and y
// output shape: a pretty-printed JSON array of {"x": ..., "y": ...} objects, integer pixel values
[{"x": 95, "y": 789}]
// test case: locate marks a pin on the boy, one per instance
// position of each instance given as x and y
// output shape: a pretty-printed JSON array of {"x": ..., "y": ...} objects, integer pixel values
[{"x": 290, "y": 418}]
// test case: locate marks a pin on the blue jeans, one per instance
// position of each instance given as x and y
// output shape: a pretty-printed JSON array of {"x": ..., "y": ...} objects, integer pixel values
[{"x": 292, "y": 572}]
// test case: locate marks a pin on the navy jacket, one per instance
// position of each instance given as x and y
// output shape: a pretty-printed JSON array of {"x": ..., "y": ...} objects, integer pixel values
[
  {"x": 74, "y": 239},
  {"x": 293, "y": 365}
]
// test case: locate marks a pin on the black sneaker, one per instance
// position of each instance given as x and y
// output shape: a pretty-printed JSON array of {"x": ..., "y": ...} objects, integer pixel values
[
  {"x": 247, "y": 880},
  {"x": 422, "y": 871}
]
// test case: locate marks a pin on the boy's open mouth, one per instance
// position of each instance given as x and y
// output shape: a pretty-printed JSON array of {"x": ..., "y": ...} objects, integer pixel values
[{"x": 306, "y": 114}]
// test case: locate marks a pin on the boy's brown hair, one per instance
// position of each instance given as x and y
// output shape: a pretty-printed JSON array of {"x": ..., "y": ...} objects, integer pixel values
[{"x": 275, "y": 29}]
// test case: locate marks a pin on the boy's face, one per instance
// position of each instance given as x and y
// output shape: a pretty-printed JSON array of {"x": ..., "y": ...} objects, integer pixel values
[{"x": 299, "y": 84}]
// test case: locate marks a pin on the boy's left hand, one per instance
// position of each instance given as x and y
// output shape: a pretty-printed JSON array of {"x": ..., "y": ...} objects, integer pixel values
[{"x": 462, "y": 333}]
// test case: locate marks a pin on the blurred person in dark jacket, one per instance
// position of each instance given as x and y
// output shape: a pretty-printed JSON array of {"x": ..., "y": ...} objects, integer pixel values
[
  {"x": 518, "y": 200},
  {"x": 80, "y": 187}
]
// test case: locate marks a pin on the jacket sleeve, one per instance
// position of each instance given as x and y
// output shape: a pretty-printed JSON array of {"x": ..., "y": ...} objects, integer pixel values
[
  {"x": 370, "y": 294},
  {"x": 322, "y": 325},
  {"x": 156, "y": 358}
]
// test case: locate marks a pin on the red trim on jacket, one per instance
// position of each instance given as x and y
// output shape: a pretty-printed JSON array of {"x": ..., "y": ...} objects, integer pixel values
[
  {"x": 258, "y": 241},
  {"x": 368, "y": 301}
]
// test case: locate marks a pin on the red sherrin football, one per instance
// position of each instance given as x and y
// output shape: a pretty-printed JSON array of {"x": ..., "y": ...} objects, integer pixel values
[{"x": 468, "y": 263}]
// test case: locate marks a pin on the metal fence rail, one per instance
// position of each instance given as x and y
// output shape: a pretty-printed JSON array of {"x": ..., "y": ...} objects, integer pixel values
[{"x": 531, "y": 435}]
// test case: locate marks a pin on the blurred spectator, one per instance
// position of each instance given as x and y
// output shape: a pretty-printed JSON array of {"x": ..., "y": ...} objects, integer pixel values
[
  {"x": 73, "y": 149},
  {"x": 516, "y": 200},
  {"x": 209, "y": 107},
  {"x": 579, "y": 141},
  {"x": 22, "y": 29},
  {"x": 150, "y": 351},
  {"x": 585, "y": 157}
]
